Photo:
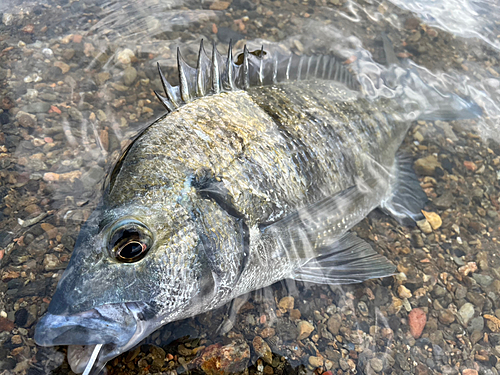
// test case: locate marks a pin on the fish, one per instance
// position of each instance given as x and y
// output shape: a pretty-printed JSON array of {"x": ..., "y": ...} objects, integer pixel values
[{"x": 256, "y": 173}]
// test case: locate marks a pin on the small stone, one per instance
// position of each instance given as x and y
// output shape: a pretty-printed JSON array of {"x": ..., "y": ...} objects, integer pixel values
[
  {"x": 376, "y": 364},
  {"x": 102, "y": 77},
  {"x": 26, "y": 120},
  {"x": 470, "y": 267},
  {"x": 129, "y": 75},
  {"x": 469, "y": 371},
  {"x": 69, "y": 176},
  {"x": 63, "y": 66},
  {"x": 51, "y": 262},
  {"x": 219, "y": 5},
  {"x": 6, "y": 325},
  {"x": 333, "y": 324},
  {"x": 16, "y": 340},
  {"x": 446, "y": 317},
  {"x": 75, "y": 114},
  {"x": 363, "y": 309},
  {"x": 483, "y": 280},
  {"x": 492, "y": 322},
  {"x": 295, "y": 314},
  {"x": 466, "y": 313},
  {"x": 262, "y": 349},
  {"x": 316, "y": 361},
  {"x": 470, "y": 165},
  {"x": 125, "y": 56},
  {"x": 418, "y": 137},
  {"x": 68, "y": 53},
  {"x": 424, "y": 226},
  {"x": 185, "y": 352},
  {"x": 38, "y": 107},
  {"x": 101, "y": 115},
  {"x": 267, "y": 332},
  {"x": 444, "y": 201},
  {"x": 417, "y": 320},
  {"x": 305, "y": 329},
  {"x": 433, "y": 218},
  {"x": 217, "y": 359},
  {"x": 426, "y": 166},
  {"x": 49, "y": 229},
  {"x": 286, "y": 304},
  {"x": 404, "y": 292}
]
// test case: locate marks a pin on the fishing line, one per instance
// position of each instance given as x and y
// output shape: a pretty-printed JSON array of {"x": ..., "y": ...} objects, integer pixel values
[{"x": 92, "y": 359}]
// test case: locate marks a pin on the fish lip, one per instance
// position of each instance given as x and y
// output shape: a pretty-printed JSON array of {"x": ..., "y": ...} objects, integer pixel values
[{"x": 108, "y": 324}]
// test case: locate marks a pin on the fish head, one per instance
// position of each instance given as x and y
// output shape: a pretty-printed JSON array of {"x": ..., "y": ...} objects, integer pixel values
[{"x": 133, "y": 270}]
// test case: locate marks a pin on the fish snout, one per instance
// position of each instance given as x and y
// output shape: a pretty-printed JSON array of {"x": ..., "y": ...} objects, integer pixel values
[{"x": 108, "y": 324}]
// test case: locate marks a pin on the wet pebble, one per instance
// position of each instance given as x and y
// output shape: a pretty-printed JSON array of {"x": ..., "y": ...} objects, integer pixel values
[
  {"x": 51, "y": 262},
  {"x": 466, "y": 313},
  {"x": 286, "y": 304},
  {"x": 417, "y": 319},
  {"x": 376, "y": 364},
  {"x": 446, "y": 317},
  {"x": 427, "y": 165},
  {"x": 334, "y": 323},
  {"x": 316, "y": 361},
  {"x": 75, "y": 114},
  {"x": 305, "y": 329},
  {"x": 262, "y": 349},
  {"x": 129, "y": 75}
]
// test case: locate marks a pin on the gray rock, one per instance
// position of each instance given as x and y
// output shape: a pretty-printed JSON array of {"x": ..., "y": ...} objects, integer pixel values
[
  {"x": 476, "y": 324},
  {"x": 444, "y": 201},
  {"x": 48, "y": 96},
  {"x": 466, "y": 313},
  {"x": 376, "y": 364},
  {"x": 129, "y": 75},
  {"x": 37, "y": 107},
  {"x": 75, "y": 114},
  {"x": 483, "y": 280},
  {"x": 334, "y": 324}
]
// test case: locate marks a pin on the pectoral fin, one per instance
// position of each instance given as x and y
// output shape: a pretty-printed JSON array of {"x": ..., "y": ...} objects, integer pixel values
[
  {"x": 349, "y": 260},
  {"x": 408, "y": 198}
]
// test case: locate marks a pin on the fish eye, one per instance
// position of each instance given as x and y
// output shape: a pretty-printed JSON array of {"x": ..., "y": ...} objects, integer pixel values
[{"x": 130, "y": 241}]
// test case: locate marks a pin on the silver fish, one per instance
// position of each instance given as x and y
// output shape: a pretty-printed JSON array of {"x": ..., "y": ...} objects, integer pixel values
[{"x": 256, "y": 173}]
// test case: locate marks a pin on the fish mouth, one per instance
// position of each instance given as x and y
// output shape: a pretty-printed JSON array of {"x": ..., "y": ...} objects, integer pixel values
[{"x": 117, "y": 327}]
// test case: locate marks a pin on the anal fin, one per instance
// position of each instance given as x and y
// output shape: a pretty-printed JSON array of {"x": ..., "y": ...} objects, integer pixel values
[
  {"x": 408, "y": 198},
  {"x": 349, "y": 260}
]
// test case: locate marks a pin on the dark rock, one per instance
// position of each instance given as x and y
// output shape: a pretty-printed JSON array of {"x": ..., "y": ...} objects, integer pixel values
[
  {"x": 444, "y": 201},
  {"x": 7, "y": 364},
  {"x": 4, "y": 118},
  {"x": 21, "y": 317}
]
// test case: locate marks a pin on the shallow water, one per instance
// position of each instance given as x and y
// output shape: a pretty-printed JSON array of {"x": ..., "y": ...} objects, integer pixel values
[{"x": 77, "y": 81}]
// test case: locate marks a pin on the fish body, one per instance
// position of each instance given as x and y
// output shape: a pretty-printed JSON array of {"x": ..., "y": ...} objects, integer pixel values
[{"x": 231, "y": 192}]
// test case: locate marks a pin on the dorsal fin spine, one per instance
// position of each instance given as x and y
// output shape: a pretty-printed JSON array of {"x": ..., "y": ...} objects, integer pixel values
[
  {"x": 165, "y": 101},
  {"x": 261, "y": 66},
  {"x": 288, "y": 67},
  {"x": 200, "y": 82},
  {"x": 167, "y": 88},
  {"x": 183, "y": 84},
  {"x": 246, "y": 80},
  {"x": 229, "y": 64},
  {"x": 275, "y": 69},
  {"x": 215, "y": 70}
]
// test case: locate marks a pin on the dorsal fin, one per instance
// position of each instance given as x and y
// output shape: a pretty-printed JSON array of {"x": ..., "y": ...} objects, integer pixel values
[{"x": 214, "y": 73}]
